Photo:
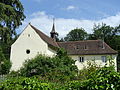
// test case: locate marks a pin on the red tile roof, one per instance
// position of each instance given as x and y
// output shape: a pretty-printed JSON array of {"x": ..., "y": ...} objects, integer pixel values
[{"x": 86, "y": 47}]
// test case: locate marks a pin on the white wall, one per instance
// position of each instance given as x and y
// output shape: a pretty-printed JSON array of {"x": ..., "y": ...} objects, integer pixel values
[
  {"x": 29, "y": 39},
  {"x": 51, "y": 52},
  {"x": 97, "y": 59}
]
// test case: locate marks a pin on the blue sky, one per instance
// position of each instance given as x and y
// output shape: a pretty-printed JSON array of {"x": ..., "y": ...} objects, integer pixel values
[{"x": 70, "y": 14}]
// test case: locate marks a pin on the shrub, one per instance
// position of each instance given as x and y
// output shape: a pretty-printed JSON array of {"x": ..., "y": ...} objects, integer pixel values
[
  {"x": 87, "y": 70},
  {"x": 40, "y": 65},
  {"x": 24, "y": 84},
  {"x": 105, "y": 78},
  {"x": 58, "y": 68}
]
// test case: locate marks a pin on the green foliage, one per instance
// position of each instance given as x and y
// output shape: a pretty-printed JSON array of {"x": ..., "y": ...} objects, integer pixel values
[
  {"x": 61, "y": 52},
  {"x": 102, "y": 79},
  {"x": 24, "y": 84},
  {"x": 4, "y": 64},
  {"x": 40, "y": 65},
  {"x": 52, "y": 69},
  {"x": 87, "y": 70},
  {"x": 76, "y": 35},
  {"x": 97, "y": 78},
  {"x": 2, "y": 57},
  {"x": 11, "y": 16},
  {"x": 5, "y": 50},
  {"x": 103, "y": 31}
]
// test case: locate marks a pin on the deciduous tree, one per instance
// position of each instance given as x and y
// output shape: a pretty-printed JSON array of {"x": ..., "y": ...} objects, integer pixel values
[
  {"x": 76, "y": 35},
  {"x": 11, "y": 16}
]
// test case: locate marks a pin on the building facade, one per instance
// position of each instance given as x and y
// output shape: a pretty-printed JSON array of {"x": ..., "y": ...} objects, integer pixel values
[{"x": 32, "y": 42}]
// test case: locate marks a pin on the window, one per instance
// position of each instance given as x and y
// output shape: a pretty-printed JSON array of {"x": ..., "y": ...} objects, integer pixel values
[
  {"x": 28, "y": 35},
  {"x": 104, "y": 59},
  {"x": 81, "y": 59},
  {"x": 85, "y": 47},
  {"x": 28, "y": 51}
]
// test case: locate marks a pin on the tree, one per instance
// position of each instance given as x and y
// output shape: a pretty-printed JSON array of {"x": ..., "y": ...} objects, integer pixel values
[
  {"x": 104, "y": 32},
  {"x": 11, "y": 16},
  {"x": 4, "y": 64},
  {"x": 76, "y": 35}
]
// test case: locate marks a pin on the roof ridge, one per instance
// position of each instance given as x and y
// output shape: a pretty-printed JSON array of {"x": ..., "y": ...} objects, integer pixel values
[
  {"x": 78, "y": 41},
  {"x": 38, "y": 30}
]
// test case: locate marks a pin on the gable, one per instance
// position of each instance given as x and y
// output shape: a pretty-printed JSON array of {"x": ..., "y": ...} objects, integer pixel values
[
  {"x": 28, "y": 35},
  {"x": 47, "y": 39}
]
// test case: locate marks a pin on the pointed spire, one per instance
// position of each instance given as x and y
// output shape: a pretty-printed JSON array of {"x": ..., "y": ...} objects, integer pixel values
[
  {"x": 53, "y": 28},
  {"x": 53, "y": 33}
]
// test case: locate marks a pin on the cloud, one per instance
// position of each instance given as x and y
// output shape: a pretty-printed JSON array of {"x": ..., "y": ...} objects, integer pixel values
[
  {"x": 42, "y": 13},
  {"x": 71, "y": 7},
  {"x": 44, "y": 22}
]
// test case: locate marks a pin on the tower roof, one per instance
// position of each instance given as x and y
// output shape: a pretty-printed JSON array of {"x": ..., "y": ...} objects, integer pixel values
[
  {"x": 53, "y": 33},
  {"x": 53, "y": 28}
]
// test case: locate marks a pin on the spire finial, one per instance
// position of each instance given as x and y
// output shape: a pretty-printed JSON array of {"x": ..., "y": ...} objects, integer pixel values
[
  {"x": 53, "y": 20},
  {"x": 53, "y": 28}
]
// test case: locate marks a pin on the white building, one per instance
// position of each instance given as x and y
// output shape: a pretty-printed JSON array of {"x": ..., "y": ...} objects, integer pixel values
[{"x": 32, "y": 42}]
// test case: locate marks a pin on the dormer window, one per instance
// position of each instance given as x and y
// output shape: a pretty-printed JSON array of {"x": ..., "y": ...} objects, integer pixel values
[
  {"x": 85, "y": 47},
  {"x": 103, "y": 46}
]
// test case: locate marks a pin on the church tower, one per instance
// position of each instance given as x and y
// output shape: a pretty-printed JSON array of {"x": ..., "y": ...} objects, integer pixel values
[{"x": 53, "y": 33}]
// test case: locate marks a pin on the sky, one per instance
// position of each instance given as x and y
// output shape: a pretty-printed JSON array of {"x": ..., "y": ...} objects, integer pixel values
[{"x": 70, "y": 14}]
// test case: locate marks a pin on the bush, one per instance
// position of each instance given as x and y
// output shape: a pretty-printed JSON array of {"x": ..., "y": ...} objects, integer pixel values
[
  {"x": 24, "y": 84},
  {"x": 52, "y": 67},
  {"x": 87, "y": 70},
  {"x": 58, "y": 68},
  {"x": 105, "y": 78},
  {"x": 40, "y": 65}
]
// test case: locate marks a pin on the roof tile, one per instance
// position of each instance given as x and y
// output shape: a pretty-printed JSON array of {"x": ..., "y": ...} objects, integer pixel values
[{"x": 86, "y": 47}]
